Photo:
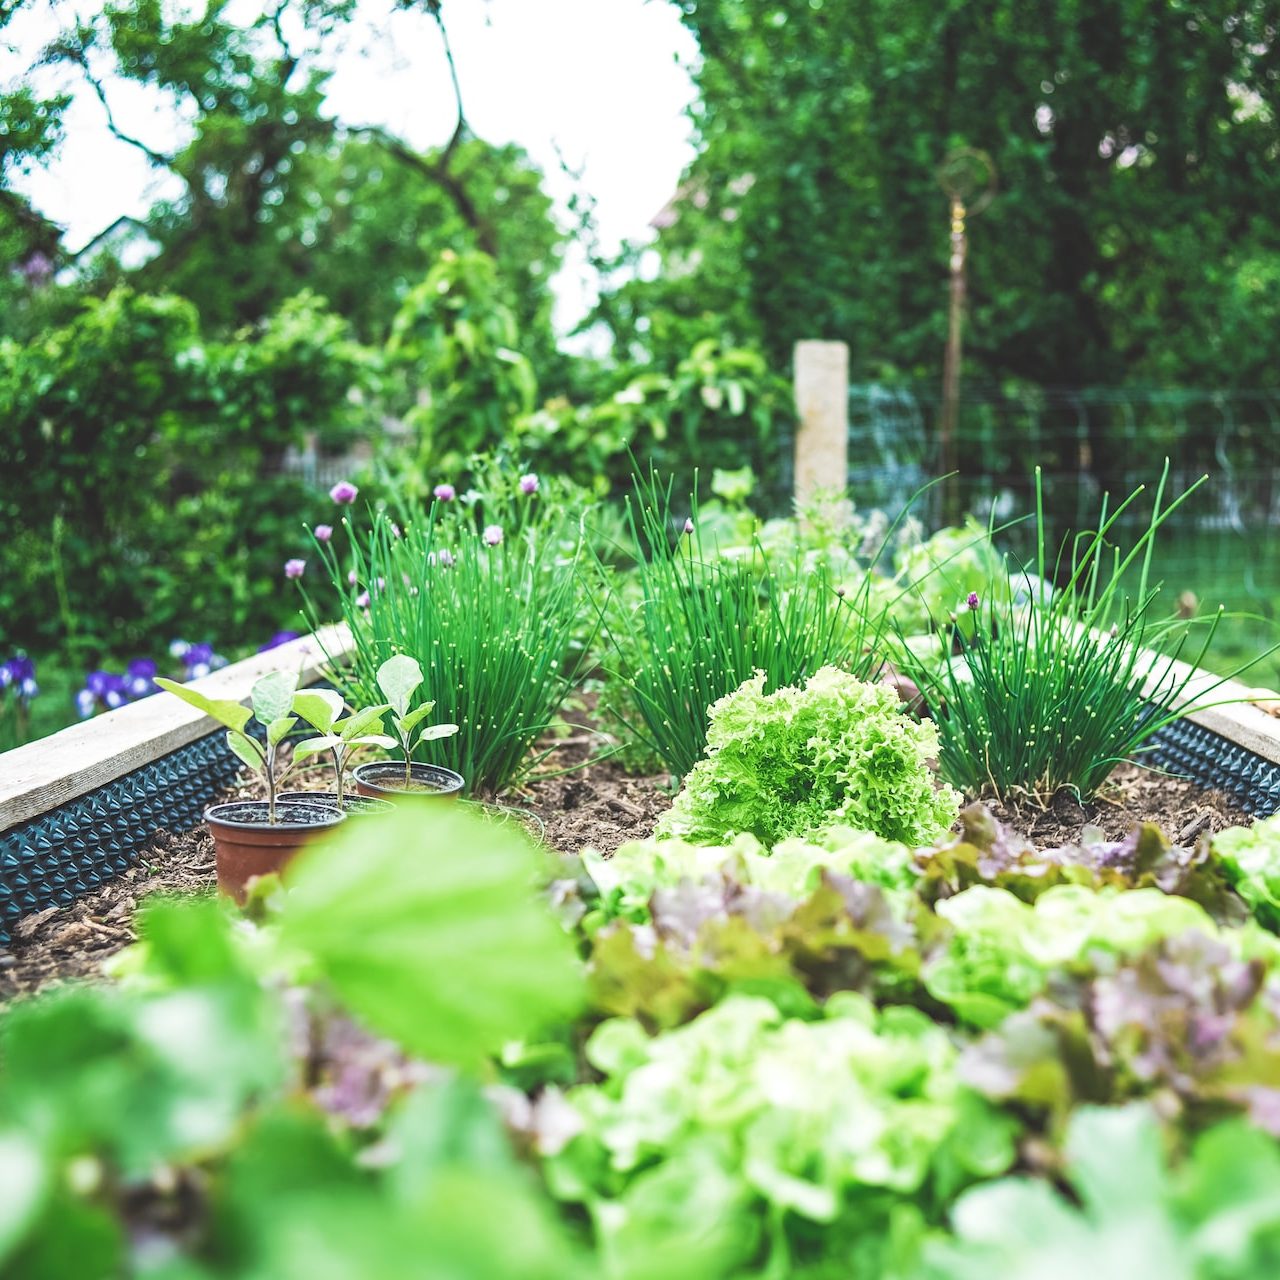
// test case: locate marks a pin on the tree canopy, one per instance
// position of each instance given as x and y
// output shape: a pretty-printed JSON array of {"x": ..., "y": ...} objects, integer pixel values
[{"x": 1136, "y": 144}]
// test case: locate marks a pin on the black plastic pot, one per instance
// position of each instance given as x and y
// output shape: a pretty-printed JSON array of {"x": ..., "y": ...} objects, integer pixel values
[
  {"x": 384, "y": 780},
  {"x": 247, "y": 845},
  {"x": 353, "y": 805}
]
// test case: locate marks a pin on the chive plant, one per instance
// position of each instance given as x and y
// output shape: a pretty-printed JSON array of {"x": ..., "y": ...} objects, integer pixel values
[
  {"x": 490, "y": 616},
  {"x": 1045, "y": 687},
  {"x": 692, "y": 626}
]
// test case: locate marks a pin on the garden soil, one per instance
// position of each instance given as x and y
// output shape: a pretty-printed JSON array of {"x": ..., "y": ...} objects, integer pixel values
[{"x": 592, "y": 805}]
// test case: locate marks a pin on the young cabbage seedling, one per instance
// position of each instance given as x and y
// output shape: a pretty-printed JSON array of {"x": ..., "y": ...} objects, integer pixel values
[
  {"x": 399, "y": 678},
  {"x": 322, "y": 709},
  {"x": 272, "y": 698}
]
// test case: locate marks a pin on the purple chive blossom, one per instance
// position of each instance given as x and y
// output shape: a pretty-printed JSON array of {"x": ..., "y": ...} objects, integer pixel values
[
  {"x": 529, "y": 483},
  {"x": 395, "y": 530},
  {"x": 688, "y": 524},
  {"x": 443, "y": 558},
  {"x": 351, "y": 577},
  {"x": 444, "y": 492},
  {"x": 294, "y": 568},
  {"x": 344, "y": 492},
  {"x": 362, "y": 600},
  {"x": 492, "y": 535},
  {"x": 972, "y": 601},
  {"x": 323, "y": 532}
]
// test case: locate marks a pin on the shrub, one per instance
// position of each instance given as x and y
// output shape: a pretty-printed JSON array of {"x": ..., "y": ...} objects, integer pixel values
[{"x": 790, "y": 762}]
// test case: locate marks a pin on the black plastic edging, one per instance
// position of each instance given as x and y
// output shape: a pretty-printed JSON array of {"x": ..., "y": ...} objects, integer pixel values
[{"x": 53, "y": 859}]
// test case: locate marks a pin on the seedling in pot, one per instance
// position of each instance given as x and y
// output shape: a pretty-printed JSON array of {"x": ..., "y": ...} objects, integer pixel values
[
  {"x": 322, "y": 709},
  {"x": 272, "y": 699},
  {"x": 399, "y": 679}
]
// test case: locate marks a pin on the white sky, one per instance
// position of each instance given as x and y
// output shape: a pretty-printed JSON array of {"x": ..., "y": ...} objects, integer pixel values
[{"x": 606, "y": 80}]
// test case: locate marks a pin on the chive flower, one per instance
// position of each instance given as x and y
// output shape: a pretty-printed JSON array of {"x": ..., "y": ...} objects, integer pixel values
[
  {"x": 294, "y": 568},
  {"x": 323, "y": 532},
  {"x": 344, "y": 492},
  {"x": 444, "y": 492},
  {"x": 688, "y": 524},
  {"x": 529, "y": 483},
  {"x": 492, "y": 535},
  {"x": 362, "y": 600},
  {"x": 351, "y": 577},
  {"x": 972, "y": 601}
]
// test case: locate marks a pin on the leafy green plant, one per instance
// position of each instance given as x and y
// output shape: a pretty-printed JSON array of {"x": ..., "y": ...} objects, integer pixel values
[
  {"x": 399, "y": 678},
  {"x": 1046, "y": 689},
  {"x": 838, "y": 750},
  {"x": 272, "y": 699},
  {"x": 784, "y": 1125},
  {"x": 1251, "y": 858},
  {"x": 188, "y": 1109},
  {"x": 695, "y": 625},
  {"x": 492, "y": 620},
  {"x": 1133, "y": 1210},
  {"x": 340, "y": 736},
  {"x": 1002, "y": 950}
]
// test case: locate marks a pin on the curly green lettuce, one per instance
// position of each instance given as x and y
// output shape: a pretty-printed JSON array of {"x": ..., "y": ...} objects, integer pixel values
[
  {"x": 1250, "y": 856},
  {"x": 789, "y": 763}
]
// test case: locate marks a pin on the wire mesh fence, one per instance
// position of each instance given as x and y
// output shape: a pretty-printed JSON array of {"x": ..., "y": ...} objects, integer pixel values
[{"x": 1221, "y": 547}]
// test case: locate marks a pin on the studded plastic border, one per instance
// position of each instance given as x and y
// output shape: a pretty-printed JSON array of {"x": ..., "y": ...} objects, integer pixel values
[
  {"x": 53, "y": 859},
  {"x": 1211, "y": 760}
]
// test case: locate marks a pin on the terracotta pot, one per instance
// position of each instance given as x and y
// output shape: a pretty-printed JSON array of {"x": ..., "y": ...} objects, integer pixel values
[
  {"x": 246, "y": 845},
  {"x": 384, "y": 779},
  {"x": 353, "y": 805}
]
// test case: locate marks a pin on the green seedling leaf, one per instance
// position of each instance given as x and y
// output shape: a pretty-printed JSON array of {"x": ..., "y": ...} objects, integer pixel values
[
  {"x": 399, "y": 678},
  {"x": 320, "y": 708},
  {"x": 427, "y": 926},
  {"x": 361, "y": 721},
  {"x": 432, "y": 732},
  {"x": 227, "y": 713},
  {"x": 373, "y": 740},
  {"x": 314, "y": 746},
  {"x": 278, "y": 730},
  {"x": 247, "y": 749},
  {"x": 272, "y": 696},
  {"x": 409, "y": 722}
]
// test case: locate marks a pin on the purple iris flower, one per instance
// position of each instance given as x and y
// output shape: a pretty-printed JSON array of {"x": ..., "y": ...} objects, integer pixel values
[
  {"x": 140, "y": 678},
  {"x": 323, "y": 532},
  {"x": 529, "y": 483},
  {"x": 344, "y": 492},
  {"x": 444, "y": 492},
  {"x": 280, "y": 637}
]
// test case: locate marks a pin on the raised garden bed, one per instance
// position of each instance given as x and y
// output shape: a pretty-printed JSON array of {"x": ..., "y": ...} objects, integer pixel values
[{"x": 72, "y": 925}]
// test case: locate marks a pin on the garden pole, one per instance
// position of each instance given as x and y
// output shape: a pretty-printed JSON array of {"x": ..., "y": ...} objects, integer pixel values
[{"x": 822, "y": 405}]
